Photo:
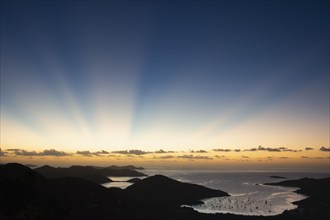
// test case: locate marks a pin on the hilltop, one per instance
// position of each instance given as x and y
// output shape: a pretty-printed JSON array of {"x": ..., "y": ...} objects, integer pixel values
[
  {"x": 27, "y": 194},
  {"x": 93, "y": 174},
  {"x": 164, "y": 190},
  {"x": 316, "y": 204}
]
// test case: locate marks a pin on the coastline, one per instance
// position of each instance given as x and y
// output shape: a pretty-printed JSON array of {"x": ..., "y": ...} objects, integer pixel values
[{"x": 76, "y": 198}]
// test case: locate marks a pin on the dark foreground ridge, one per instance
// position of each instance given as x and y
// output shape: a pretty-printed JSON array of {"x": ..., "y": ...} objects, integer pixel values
[
  {"x": 26, "y": 194},
  {"x": 133, "y": 180},
  {"x": 277, "y": 177},
  {"x": 317, "y": 205},
  {"x": 93, "y": 174},
  {"x": 162, "y": 190}
]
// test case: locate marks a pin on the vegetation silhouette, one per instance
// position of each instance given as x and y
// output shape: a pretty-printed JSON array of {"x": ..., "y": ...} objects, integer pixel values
[{"x": 26, "y": 194}]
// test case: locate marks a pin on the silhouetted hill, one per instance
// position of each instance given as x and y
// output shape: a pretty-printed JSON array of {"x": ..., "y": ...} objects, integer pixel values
[
  {"x": 318, "y": 202},
  {"x": 161, "y": 189},
  {"x": 31, "y": 165},
  {"x": 134, "y": 180},
  {"x": 96, "y": 175},
  {"x": 18, "y": 190},
  {"x": 16, "y": 171},
  {"x": 86, "y": 173},
  {"x": 277, "y": 177},
  {"x": 23, "y": 197},
  {"x": 84, "y": 199},
  {"x": 25, "y": 194},
  {"x": 18, "y": 185}
]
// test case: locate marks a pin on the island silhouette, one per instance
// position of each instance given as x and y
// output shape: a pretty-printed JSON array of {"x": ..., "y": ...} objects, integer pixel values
[
  {"x": 94, "y": 174},
  {"x": 29, "y": 194}
]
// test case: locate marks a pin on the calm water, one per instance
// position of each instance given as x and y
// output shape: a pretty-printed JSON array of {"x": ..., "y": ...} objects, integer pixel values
[{"x": 248, "y": 195}]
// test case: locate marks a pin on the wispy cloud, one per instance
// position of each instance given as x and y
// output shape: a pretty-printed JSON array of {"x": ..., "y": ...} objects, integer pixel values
[
  {"x": 53, "y": 152},
  {"x": 198, "y": 151},
  {"x": 134, "y": 152},
  {"x": 269, "y": 149},
  {"x": 283, "y": 158},
  {"x": 102, "y": 152},
  {"x": 309, "y": 148},
  {"x": 222, "y": 150},
  {"x": 192, "y": 157},
  {"x": 165, "y": 157},
  {"x": 163, "y": 151},
  {"x": 252, "y": 149},
  {"x": 90, "y": 154},
  {"x": 186, "y": 156},
  {"x": 317, "y": 158},
  {"x": 85, "y": 153},
  {"x": 50, "y": 152},
  {"x": 324, "y": 149},
  {"x": 134, "y": 155},
  {"x": 260, "y": 148},
  {"x": 20, "y": 152}
]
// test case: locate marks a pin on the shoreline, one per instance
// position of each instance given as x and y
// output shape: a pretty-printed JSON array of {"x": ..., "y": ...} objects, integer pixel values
[{"x": 30, "y": 195}]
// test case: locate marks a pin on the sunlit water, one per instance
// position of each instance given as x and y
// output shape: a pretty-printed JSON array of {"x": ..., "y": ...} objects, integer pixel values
[
  {"x": 120, "y": 182},
  {"x": 252, "y": 203},
  {"x": 248, "y": 196}
]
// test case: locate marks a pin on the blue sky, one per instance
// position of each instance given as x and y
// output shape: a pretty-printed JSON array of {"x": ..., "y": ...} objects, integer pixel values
[{"x": 166, "y": 73}]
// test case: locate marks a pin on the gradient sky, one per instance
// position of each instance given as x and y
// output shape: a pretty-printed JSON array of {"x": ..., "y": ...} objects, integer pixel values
[{"x": 175, "y": 75}]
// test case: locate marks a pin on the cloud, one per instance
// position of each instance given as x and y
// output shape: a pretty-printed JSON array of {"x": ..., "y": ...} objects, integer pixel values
[
  {"x": 163, "y": 152},
  {"x": 269, "y": 149},
  {"x": 135, "y": 152},
  {"x": 221, "y": 150},
  {"x": 309, "y": 148},
  {"x": 284, "y": 149},
  {"x": 218, "y": 156},
  {"x": 192, "y": 157},
  {"x": 245, "y": 157},
  {"x": 198, "y": 151},
  {"x": 260, "y": 148},
  {"x": 102, "y": 152},
  {"x": 237, "y": 150},
  {"x": 13, "y": 149},
  {"x": 165, "y": 157},
  {"x": 283, "y": 158},
  {"x": 134, "y": 156},
  {"x": 324, "y": 149},
  {"x": 317, "y": 158},
  {"x": 251, "y": 149},
  {"x": 20, "y": 152},
  {"x": 85, "y": 153},
  {"x": 51, "y": 152}
]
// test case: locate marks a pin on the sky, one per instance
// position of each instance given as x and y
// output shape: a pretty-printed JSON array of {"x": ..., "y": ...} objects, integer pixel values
[{"x": 176, "y": 76}]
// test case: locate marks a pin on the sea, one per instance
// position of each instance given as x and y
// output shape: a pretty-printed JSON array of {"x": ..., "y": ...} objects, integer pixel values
[{"x": 248, "y": 194}]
